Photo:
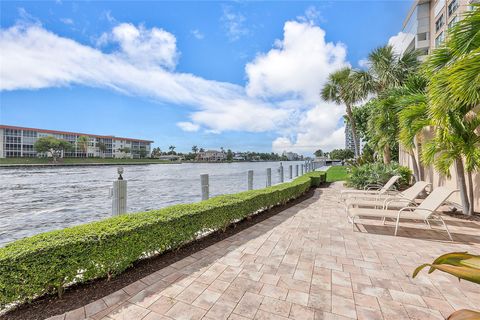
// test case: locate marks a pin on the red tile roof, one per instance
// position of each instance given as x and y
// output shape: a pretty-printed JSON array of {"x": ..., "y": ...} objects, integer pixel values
[{"x": 72, "y": 133}]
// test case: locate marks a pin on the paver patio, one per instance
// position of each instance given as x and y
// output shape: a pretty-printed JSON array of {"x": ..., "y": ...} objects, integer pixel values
[{"x": 304, "y": 263}]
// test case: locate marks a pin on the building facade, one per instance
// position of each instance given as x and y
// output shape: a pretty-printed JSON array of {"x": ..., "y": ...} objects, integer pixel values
[
  {"x": 426, "y": 27},
  {"x": 349, "y": 142},
  {"x": 427, "y": 23},
  {"x": 19, "y": 142},
  {"x": 211, "y": 156}
]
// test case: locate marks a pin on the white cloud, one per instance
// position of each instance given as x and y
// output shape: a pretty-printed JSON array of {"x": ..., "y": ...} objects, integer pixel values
[
  {"x": 400, "y": 41},
  {"x": 66, "y": 21},
  {"x": 282, "y": 94},
  {"x": 297, "y": 66},
  {"x": 312, "y": 15},
  {"x": 363, "y": 63},
  {"x": 234, "y": 24},
  {"x": 188, "y": 126},
  {"x": 197, "y": 34}
]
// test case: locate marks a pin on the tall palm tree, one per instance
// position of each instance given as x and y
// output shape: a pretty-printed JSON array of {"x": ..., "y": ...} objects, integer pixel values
[
  {"x": 195, "y": 149},
  {"x": 339, "y": 90},
  {"x": 453, "y": 94},
  {"x": 82, "y": 143},
  {"x": 386, "y": 71},
  {"x": 413, "y": 117},
  {"x": 172, "y": 149}
]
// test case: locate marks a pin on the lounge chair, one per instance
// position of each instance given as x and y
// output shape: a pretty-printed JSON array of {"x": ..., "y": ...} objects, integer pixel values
[
  {"x": 374, "y": 189},
  {"x": 400, "y": 200},
  {"x": 425, "y": 211}
]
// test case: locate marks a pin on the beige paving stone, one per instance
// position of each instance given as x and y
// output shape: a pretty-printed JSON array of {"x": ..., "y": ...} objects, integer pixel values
[
  {"x": 221, "y": 309},
  {"x": 135, "y": 287},
  {"x": 184, "y": 311},
  {"x": 366, "y": 301},
  {"x": 128, "y": 311},
  {"x": 155, "y": 316},
  {"x": 162, "y": 305},
  {"x": 219, "y": 286},
  {"x": 77, "y": 314},
  {"x": 297, "y": 297},
  {"x": 275, "y": 306},
  {"x": 206, "y": 299},
  {"x": 419, "y": 313},
  {"x": 95, "y": 307},
  {"x": 264, "y": 315},
  {"x": 115, "y": 298},
  {"x": 407, "y": 298},
  {"x": 248, "y": 305},
  {"x": 274, "y": 292},
  {"x": 365, "y": 313},
  {"x": 271, "y": 279},
  {"x": 191, "y": 292},
  {"x": 343, "y": 306},
  {"x": 301, "y": 312}
]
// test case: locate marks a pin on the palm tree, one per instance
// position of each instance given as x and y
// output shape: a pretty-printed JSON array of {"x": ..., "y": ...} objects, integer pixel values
[
  {"x": 453, "y": 93},
  {"x": 386, "y": 71},
  {"x": 195, "y": 149},
  {"x": 172, "y": 149},
  {"x": 413, "y": 117},
  {"x": 82, "y": 143},
  {"x": 102, "y": 147},
  {"x": 339, "y": 90}
]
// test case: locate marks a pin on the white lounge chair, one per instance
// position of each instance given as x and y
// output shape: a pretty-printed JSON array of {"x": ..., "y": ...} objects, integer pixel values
[
  {"x": 425, "y": 211},
  {"x": 400, "y": 200},
  {"x": 371, "y": 189}
]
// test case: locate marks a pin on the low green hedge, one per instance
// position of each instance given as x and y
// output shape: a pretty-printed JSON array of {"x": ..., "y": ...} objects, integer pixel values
[{"x": 48, "y": 262}]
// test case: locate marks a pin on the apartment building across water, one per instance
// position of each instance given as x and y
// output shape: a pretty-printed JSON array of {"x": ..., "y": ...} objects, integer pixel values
[{"x": 19, "y": 142}]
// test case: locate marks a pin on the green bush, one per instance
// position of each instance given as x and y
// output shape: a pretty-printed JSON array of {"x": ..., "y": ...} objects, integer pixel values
[
  {"x": 378, "y": 173},
  {"x": 48, "y": 262}
]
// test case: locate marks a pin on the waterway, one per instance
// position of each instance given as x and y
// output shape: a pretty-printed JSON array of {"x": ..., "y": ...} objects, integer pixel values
[{"x": 39, "y": 199}]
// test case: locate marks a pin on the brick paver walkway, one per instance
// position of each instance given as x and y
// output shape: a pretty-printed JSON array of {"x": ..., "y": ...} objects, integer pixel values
[{"x": 304, "y": 263}]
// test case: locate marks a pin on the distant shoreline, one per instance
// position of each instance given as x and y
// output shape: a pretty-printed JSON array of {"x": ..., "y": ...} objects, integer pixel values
[{"x": 72, "y": 162}]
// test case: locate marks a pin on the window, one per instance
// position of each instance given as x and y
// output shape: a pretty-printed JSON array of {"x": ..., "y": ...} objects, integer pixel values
[
  {"x": 440, "y": 22},
  {"x": 452, "y": 23},
  {"x": 452, "y": 7},
  {"x": 422, "y": 36},
  {"x": 439, "y": 40}
]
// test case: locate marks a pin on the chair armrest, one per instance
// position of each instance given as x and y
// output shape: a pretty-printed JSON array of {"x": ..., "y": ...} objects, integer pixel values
[{"x": 373, "y": 186}]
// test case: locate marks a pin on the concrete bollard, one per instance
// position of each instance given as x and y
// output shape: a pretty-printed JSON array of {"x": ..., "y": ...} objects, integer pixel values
[
  {"x": 301, "y": 169},
  {"x": 280, "y": 171},
  {"x": 250, "y": 179},
  {"x": 290, "y": 172},
  {"x": 119, "y": 194},
  {"x": 296, "y": 170},
  {"x": 269, "y": 177},
  {"x": 205, "y": 186}
]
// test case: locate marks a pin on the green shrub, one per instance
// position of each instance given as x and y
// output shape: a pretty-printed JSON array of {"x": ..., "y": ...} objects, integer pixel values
[
  {"x": 378, "y": 173},
  {"x": 48, "y": 262}
]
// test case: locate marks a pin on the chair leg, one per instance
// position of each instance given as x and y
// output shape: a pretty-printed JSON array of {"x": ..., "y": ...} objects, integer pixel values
[
  {"x": 353, "y": 223},
  {"x": 428, "y": 223},
  {"x": 396, "y": 225},
  {"x": 446, "y": 228},
  {"x": 383, "y": 220}
]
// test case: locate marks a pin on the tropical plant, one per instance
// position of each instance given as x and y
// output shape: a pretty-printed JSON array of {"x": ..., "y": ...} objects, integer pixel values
[
  {"x": 453, "y": 93},
  {"x": 172, "y": 149},
  {"x": 377, "y": 173},
  {"x": 82, "y": 142},
  {"x": 53, "y": 146},
  {"x": 318, "y": 153},
  {"x": 386, "y": 71},
  {"x": 339, "y": 90},
  {"x": 341, "y": 154},
  {"x": 195, "y": 149},
  {"x": 102, "y": 147},
  {"x": 462, "y": 265}
]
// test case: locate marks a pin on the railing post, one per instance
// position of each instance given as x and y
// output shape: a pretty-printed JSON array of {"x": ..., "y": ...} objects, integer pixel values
[
  {"x": 119, "y": 194},
  {"x": 290, "y": 172},
  {"x": 269, "y": 177},
  {"x": 301, "y": 169},
  {"x": 205, "y": 186},
  {"x": 296, "y": 170},
  {"x": 280, "y": 171},
  {"x": 250, "y": 179}
]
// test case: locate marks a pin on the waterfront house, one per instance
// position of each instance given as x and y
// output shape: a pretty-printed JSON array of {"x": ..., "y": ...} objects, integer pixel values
[{"x": 211, "y": 156}]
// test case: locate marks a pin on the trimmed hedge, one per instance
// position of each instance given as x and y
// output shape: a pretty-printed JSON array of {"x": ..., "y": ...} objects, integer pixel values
[{"x": 50, "y": 261}]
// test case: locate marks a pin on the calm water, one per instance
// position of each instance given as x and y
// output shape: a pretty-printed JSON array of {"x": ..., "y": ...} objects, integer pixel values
[{"x": 34, "y": 200}]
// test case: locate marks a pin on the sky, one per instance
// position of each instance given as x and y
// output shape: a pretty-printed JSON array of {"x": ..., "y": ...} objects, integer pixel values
[{"x": 239, "y": 75}]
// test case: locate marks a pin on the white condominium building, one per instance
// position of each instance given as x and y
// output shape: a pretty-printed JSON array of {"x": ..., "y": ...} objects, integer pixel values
[{"x": 19, "y": 142}]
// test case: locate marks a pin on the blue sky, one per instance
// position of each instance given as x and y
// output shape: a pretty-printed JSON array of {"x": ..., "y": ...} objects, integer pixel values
[{"x": 239, "y": 75}]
